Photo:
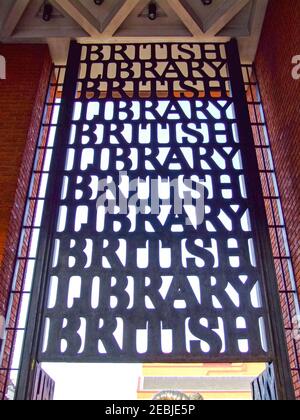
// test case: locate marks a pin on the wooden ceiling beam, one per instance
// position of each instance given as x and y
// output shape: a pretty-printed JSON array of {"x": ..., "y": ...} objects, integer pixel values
[
  {"x": 226, "y": 17},
  {"x": 13, "y": 18},
  {"x": 120, "y": 16},
  {"x": 80, "y": 14},
  {"x": 185, "y": 16}
]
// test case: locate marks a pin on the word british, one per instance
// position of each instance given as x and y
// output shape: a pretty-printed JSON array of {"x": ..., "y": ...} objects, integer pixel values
[{"x": 126, "y": 71}]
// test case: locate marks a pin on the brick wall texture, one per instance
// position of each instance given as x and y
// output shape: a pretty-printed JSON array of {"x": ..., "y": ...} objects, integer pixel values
[
  {"x": 21, "y": 103},
  {"x": 279, "y": 43},
  {"x": 281, "y": 97},
  {"x": 22, "y": 97}
]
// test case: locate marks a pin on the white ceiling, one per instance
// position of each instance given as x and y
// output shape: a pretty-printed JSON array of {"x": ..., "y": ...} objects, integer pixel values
[{"x": 127, "y": 21}]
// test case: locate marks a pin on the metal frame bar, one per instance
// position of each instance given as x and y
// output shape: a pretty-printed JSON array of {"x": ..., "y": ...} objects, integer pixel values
[
  {"x": 18, "y": 280},
  {"x": 263, "y": 242},
  {"x": 53, "y": 191},
  {"x": 287, "y": 288}
]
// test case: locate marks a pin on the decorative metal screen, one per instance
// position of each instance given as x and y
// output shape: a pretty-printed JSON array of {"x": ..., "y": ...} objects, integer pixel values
[
  {"x": 153, "y": 254},
  {"x": 264, "y": 387},
  {"x": 44, "y": 386}
]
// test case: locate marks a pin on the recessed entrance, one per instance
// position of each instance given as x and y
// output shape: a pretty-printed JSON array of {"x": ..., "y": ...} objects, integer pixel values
[
  {"x": 142, "y": 382},
  {"x": 150, "y": 239}
]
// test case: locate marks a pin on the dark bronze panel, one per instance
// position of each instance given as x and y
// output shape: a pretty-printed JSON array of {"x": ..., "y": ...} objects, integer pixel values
[
  {"x": 137, "y": 287},
  {"x": 153, "y": 70}
]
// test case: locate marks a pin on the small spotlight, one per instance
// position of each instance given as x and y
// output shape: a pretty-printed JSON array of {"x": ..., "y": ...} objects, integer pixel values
[
  {"x": 152, "y": 11},
  {"x": 98, "y": 2},
  {"x": 47, "y": 12},
  {"x": 207, "y": 2}
]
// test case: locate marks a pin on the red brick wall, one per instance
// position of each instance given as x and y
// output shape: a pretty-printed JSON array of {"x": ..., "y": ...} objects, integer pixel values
[
  {"x": 279, "y": 43},
  {"x": 281, "y": 97},
  {"x": 21, "y": 104}
]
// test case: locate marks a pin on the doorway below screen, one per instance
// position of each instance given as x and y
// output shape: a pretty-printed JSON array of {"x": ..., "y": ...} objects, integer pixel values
[{"x": 232, "y": 381}]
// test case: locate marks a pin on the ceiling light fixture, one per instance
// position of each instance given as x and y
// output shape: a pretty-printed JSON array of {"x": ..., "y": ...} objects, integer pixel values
[
  {"x": 207, "y": 2},
  {"x": 152, "y": 11},
  {"x": 98, "y": 2},
  {"x": 47, "y": 12}
]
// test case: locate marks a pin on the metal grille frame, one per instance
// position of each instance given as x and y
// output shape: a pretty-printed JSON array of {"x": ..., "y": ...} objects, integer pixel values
[
  {"x": 216, "y": 88},
  {"x": 233, "y": 86},
  {"x": 26, "y": 379},
  {"x": 21, "y": 286},
  {"x": 264, "y": 387},
  {"x": 286, "y": 281}
]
